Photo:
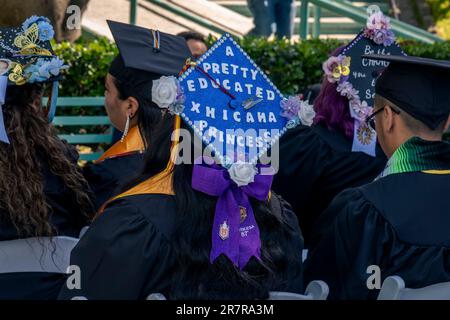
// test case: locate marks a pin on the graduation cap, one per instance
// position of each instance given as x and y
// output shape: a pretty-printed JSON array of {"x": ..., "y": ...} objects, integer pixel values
[
  {"x": 145, "y": 55},
  {"x": 238, "y": 113},
  {"x": 355, "y": 76},
  {"x": 419, "y": 86},
  {"x": 26, "y": 56},
  {"x": 231, "y": 104}
]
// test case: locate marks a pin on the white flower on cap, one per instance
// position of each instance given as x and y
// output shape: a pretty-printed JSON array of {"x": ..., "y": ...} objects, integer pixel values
[
  {"x": 164, "y": 91},
  {"x": 242, "y": 173},
  {"x": 306, "y": 113}
]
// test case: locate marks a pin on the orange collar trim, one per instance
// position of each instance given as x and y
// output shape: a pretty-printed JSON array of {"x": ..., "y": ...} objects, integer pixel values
[
  {"x": 162, "y": 183},
  {"x": 132, "y": 143}
]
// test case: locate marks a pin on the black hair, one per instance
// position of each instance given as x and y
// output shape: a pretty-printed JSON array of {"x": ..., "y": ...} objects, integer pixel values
[
  {"x": 149, "y": 115},
  {"x": 198, "y": 278}
]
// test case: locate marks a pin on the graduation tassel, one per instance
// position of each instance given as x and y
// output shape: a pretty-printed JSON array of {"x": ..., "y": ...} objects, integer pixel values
[
  {"x": 156, "y": 40},
  {"x": 52, "y": 99}
]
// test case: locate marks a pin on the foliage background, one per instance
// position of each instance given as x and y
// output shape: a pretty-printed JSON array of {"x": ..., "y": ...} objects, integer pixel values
[
  {"x": 440, "y": 9},
  {"x": 291, "y": 66}
]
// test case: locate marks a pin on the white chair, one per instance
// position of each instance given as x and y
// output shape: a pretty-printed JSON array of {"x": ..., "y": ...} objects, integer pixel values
[
  {"x": 304, "y": 254},
  {"x": 394, "y": 288},
  {"x": 43, "y": 254},
  {"x": 316, "y": 290},
  {"x": 156, "y": 296}
]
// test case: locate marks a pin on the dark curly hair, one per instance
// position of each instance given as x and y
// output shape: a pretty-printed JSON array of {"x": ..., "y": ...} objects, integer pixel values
[{"x": 32, "y": 141}]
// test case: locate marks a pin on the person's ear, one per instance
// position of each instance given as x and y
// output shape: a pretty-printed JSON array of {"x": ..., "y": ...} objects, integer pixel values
[
  {"x": 132, "y": 106},
  {"x": 388, "y": 119}
]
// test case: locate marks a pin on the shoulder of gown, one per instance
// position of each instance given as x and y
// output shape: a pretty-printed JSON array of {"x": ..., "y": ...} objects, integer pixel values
[
  {"x": 315, "y": 165},
  {"x": 303, "y": 157},
  {"x": 106, "y": 177},
  {"x": 123, "y": 255},
  {"x": 355, "y": 235},
  {"x": 346, "y": 242}
]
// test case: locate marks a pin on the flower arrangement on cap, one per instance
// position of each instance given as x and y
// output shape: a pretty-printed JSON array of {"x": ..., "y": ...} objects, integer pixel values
[
  {"x": 297, "y": 111},
  {"x": 168, "y": 94},
  {"x": 337, "y": 69},
  {"x": 26, "y": 56},
  {"x": 378, "y": 29},
  {"x": 38, "y": 63}
]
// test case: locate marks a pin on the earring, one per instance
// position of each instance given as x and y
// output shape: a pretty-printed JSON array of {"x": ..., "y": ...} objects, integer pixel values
[{"x": 127, "y": 126}]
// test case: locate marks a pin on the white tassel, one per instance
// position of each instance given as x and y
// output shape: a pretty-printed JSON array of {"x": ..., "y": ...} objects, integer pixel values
[{"x": 127, "y": 127}]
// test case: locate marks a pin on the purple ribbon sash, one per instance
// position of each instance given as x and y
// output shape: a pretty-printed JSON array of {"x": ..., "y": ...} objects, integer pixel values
[{"x": 235, "y": 232}]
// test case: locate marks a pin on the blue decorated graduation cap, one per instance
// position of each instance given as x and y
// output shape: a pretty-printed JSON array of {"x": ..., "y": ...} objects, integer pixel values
[
  {"x": 26, "y": 56},
  {"x": 231, "y": 104},
  {"x": 355, "y": 75}
]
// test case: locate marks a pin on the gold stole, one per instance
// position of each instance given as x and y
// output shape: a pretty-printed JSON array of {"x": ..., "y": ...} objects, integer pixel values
[
  {"x": 132, "y": 143},
  {"x": 161, "y": 183}
]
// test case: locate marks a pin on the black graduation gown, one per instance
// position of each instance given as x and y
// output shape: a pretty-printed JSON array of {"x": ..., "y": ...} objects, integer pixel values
[
  {"x": 399, "y": 223},
  {"x": 106, "y": 177},
  {"x": 315, "y": 165},
  {"x": 128, "y": 253},
  {"x": 65, "y": 218}
]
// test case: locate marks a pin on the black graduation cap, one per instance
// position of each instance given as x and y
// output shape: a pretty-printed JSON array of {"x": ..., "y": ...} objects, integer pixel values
[
  {"x": 150, "y": 50},
  {"x": 419, "y": 86},
  {"x": 145, "y": 55}
]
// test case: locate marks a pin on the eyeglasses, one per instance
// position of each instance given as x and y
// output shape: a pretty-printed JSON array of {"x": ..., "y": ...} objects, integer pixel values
[{"x": 370, "y": 121}]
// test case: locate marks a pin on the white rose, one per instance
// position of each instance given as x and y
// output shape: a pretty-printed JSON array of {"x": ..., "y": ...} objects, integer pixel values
[
  {"x": 306, "y": 113},
  {"x": 164, "y": 91},
  {"x": 242, "y": 173}
]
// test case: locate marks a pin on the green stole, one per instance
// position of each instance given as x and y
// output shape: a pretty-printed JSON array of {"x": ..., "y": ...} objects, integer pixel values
[{"x": 417, "y": 155}]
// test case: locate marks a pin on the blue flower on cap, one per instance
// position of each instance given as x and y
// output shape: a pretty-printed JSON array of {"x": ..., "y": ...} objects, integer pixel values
[
  {"x": 28, "y": 22},
  {"x": 46, "y": 31},
  {"x": 43, "y": 69},
  {"x": 33, "y": 74}
]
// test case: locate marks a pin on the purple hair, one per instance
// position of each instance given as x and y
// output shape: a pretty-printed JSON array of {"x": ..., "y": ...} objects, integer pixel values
[{"x": 331, "y": 108}]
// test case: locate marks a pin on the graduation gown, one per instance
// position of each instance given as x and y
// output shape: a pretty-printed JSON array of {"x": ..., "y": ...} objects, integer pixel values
[
  {"x": 67, "y": 221},
  {"x": 129, "y": 251},
  {"x": 315, "y": 165},
  {"x": 399, "y": 223},
  {"x": 119, "y": 164}
]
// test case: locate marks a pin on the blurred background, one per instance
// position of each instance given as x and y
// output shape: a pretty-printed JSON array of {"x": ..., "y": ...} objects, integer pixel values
[{"x": 288, "y": 39}]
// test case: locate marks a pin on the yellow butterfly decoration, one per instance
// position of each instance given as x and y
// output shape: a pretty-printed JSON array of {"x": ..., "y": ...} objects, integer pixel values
[
  {"x": 16, "y": 74},
  {"x": 342, "y": 69},
  {"x": 26, "y": 41}
]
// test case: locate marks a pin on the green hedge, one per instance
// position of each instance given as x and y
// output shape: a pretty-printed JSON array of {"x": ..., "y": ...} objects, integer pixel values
[
  {"x": 88, "y": 63},
  {"x": 292, "y": 67}
]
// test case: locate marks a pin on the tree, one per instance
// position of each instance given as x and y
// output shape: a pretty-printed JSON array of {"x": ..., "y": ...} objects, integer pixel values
[{"x": 14, "y": 12}]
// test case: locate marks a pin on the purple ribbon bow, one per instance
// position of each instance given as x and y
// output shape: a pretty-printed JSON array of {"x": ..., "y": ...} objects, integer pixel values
[{"x": 235, "y": 232}]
